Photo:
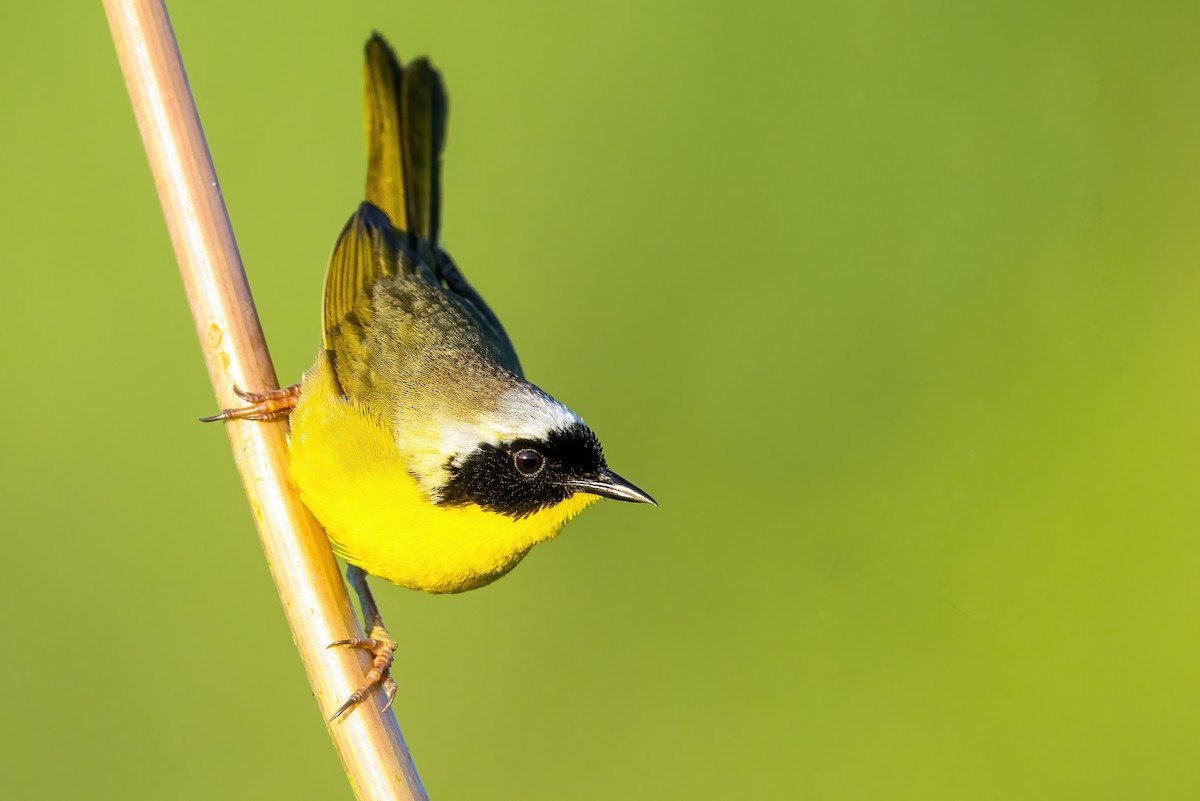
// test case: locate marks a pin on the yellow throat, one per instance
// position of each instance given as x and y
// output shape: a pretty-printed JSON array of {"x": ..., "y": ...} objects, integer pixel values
[{"x": 344, "y": 461}]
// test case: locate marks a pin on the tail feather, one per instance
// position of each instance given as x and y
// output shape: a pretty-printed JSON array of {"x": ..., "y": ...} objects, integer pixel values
[
  {"x": 406, "y": 132},
  {"x": 385, "y": 161},
  {"x": 423, "y": 136},
  {"x": 406, "y": 111}
]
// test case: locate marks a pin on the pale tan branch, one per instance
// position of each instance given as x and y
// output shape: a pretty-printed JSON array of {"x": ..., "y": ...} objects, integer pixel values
[{"x": 305, "y": 572}]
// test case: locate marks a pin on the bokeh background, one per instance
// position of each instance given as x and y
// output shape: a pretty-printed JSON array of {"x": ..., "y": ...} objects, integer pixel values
[{"x": 893, "y": 306}]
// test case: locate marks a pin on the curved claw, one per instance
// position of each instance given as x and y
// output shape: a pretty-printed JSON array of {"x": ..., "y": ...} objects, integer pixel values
[
  {"x": 354, "y": 699},
  {"x": 269, "y": 405},
  {"x": 382, "y": 649}
]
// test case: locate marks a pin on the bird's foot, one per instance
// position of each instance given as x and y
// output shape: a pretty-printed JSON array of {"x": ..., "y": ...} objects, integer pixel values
[
  {"x": 269, "y": 405},
  {"x": 382, "y": 649}
]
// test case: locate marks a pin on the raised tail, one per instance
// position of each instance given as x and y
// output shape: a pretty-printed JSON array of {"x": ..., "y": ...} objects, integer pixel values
[
  {"x": 406, "y": 132},
  {"x": 406, "y": 112},
  {"x": 382, "y": 80}
]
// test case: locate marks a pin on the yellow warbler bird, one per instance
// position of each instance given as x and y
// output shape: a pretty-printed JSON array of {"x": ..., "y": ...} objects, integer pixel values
[{"x": 415, "y": 439}]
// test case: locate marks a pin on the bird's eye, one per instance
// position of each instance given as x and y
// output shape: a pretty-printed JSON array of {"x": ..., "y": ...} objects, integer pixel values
[{"x": 529, "y": 462}]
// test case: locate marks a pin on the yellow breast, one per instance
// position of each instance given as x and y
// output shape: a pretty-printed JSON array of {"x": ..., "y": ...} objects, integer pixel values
[{"x": 345, "y": 463}]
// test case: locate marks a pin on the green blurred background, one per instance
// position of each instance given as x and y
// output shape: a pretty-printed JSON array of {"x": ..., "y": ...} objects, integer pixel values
[{"x": 892, "y": 306}]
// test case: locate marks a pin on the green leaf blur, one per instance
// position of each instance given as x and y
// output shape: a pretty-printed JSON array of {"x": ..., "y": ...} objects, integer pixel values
[{"x": 894, "y": 308}]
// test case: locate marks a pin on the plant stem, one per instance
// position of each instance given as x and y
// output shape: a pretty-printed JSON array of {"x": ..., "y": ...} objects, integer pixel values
[{"x": 306, "y": 575}]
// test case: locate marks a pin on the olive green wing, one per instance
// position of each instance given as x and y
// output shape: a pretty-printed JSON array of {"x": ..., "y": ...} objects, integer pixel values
[
  {"x": 486, "y": 319},
  {"x": 396, "y": 230},
  {"x": 371, "y": 246},
  {"x": 407, "y": 111},
  {"x": 368, "y": 249}
]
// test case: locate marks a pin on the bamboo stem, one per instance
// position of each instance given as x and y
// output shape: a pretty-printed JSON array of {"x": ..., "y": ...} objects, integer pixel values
[{"x": 306, "y": 575}]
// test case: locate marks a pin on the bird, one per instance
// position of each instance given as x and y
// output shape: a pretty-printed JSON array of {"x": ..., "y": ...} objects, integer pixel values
[{"x": 415, "y": 438}]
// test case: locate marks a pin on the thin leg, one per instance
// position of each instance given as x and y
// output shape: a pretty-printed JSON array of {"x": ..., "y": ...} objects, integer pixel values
[
  {"x": 377, "y": 642},
  {"x": 262, "y": 405},
  {"x": 370, "y": 610}
]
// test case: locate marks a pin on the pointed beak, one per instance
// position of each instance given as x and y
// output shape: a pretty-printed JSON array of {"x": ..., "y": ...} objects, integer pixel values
[{"x": 609, "y": 485}]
